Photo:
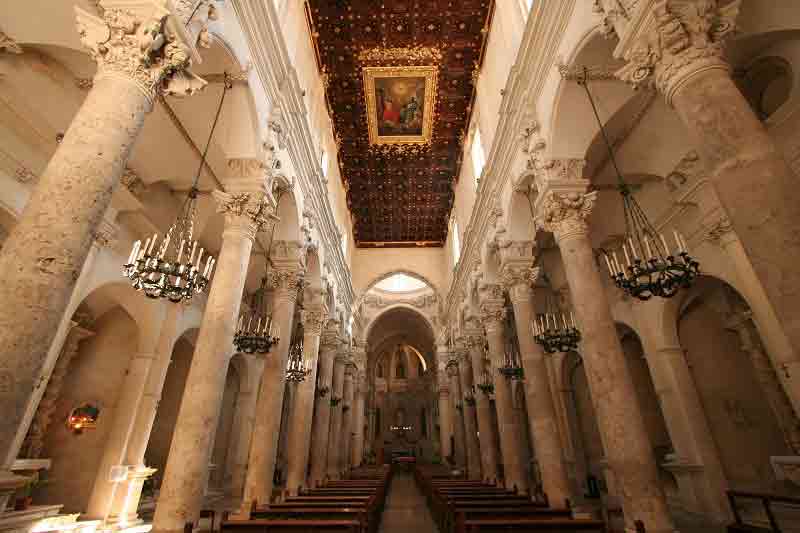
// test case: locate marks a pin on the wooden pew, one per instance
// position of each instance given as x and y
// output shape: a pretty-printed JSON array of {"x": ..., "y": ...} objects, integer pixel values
[
  {"x": 293, "y": 526},
  {"x": 526, "y": 525}
]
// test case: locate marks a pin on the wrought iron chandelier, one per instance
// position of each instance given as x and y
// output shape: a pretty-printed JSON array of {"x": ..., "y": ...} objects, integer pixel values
[
  {"x": 174, "y": 269},
  {"x": 512, "y": 363},
  {"x": 552, "y": 330},
  {"x": 487, "y": 383},
  {"x": 651, "y": 268},
  {"x": 296, "y": 368}
]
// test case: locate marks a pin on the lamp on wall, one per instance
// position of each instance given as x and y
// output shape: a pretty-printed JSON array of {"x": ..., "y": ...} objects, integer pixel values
[
  {"x": 174, "y": 269},
  {"x": 651, "y": 268}
]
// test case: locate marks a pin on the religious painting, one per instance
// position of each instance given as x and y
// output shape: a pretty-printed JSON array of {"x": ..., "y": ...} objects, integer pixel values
[{"x": 400, "y": 104}]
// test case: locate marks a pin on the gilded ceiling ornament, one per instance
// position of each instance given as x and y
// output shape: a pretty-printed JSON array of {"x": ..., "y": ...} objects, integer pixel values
[{"x": 403, "y": 54}]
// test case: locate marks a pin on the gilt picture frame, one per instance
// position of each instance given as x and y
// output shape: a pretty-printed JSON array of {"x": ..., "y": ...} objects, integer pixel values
[{"x": 400, "y": 103}]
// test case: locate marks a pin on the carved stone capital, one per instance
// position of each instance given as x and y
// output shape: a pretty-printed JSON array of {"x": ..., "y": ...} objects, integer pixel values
[
  {"x": 330, "y": 334},
  {"x": 312, "y": 320},
  {"x": 473, "y": 340},
  {"x": 519, "y": 276},
  {"x": 247, "y": 212},
  {"x": 676, "y": 40},
  {"x": 285, "y": 280},
  {"x": 143, "y": 42},
  {"x": 565, "y": 214}
]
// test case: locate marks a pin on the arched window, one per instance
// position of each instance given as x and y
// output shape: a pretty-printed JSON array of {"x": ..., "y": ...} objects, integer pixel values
[{"x": 478, "y": 156}]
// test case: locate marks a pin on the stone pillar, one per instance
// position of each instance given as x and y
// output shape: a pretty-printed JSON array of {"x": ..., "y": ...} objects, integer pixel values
[
  {"x": 243, "y": 422},
  {"x": 518, "y": 277},
  {"x": 284, "y": 278},
  {"x": 474, "y": 339},
  {"x": 755, "y": 184},
  {"x": 492, "y": 316},
  {"x": 347, "y": 417},
  {"x": 124, "y": 416},
  {"x": 43, "y": 255},
  {"x": 470, "y": 427},
  {"x": 299, "y": 443},
  {"x": 335, "y": 434},
  {"x": 457, "y": 402},
  {"x": 357, "y": 454},
  {"x": 445, "y": 406},
  {"x": 742, "y": 324},
  {"x": 562, "y": 209},
  {"x": 320, "y": 430},
  {"x": 186, "y": 472}
]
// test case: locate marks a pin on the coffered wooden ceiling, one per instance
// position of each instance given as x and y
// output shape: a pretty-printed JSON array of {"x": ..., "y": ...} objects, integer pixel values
[{"x": 399, "y": 180}]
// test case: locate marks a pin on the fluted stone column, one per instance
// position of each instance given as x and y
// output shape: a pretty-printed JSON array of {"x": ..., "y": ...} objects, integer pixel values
[
  {"x": 357, "y": 454},
  {"x": 748, "y": 171},
  {"x": 124, "y": 416},
  {"x": 445, "y": 406},
  {"x": 518, "y": 278},
  {"x": 470, "y": 425},
  {"x": 457, "y": 403},
  {"x": 321, "y": 426},
  {"x": 348, "y": 397},
  {"x": 284, "y": 278},
  {"x": 335, "y": 434},
  {"x": 474, "y": 340},
  {"x": 43, "y": 255},
  {"x": 243, "y": 422},
  {"x": 492, "y": 316},
  {"x": 128, "y": 493},
  {"x": 562, "y": 208},
  {"x": 186, "y": 472},
  {"x": 299, "y": 443}
]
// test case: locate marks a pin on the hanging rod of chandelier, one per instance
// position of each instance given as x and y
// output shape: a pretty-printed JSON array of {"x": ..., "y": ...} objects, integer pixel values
[
  {"x": 174, "y": 269},
  {"x": 651, "y": 267}
]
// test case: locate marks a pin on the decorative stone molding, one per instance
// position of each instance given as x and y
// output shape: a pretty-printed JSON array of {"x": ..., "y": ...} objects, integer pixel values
[
  {"x": 140, "y": 41},
  {"x": 250, "y": 206},
  {"x": 688, "y": 168},
  {"x": 330, "y": 334},
  {"x": 474, "y": 339},
  {"x": 25, "y": 175},
  {"x": 565, "y": 214},
  {"x": 717, "y": 231},
  {"x": 286, "y": 281},
  {"x": 587, "y": 72},
  {"x": 9, "y": 45},
  {"x": 84, "y": 84},
  {"x": 518, "y": 279},
  {"x": 131, "y": 181},
  {"x": 312, "y": 320},
  {"x": 106, "y": 234},
  {"x": 420, "y": 302},
  {"x": 676, "y": 40},
  {"x": 247, "y": 167}
]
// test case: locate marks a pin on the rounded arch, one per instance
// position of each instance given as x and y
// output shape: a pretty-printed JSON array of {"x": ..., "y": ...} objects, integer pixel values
[
  {"x": 287, "y": 228},
  {"x": 394, "y": 271},
  {"x": 400, "y": 311}
]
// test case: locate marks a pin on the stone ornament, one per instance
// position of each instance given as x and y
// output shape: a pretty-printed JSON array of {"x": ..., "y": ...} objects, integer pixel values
[
  {"x": 492, "y": 315},
  {"x": 9, "y": 45},
  {"x": 330, "y": 334},
  {"x": 684, "y": 37},
  {"x": 473, "y": 341},
  {"x": 285, "y": 280},
  {"x": 516, "y": 276},
  {"x": 565, "y": 214},
  {"x": 251, "y": 206},
  {"x": 145, "y": 50}
]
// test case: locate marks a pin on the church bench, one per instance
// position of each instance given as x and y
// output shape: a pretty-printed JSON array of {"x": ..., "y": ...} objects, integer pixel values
[
  {"x": 459, "y": 515},
  {"x": 319, "y": 513},
  {"x": 506, "y": 525},
  {"x": 293, "y": 526}
]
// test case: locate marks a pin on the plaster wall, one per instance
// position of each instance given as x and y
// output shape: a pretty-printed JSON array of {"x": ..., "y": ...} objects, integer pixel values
[
  {"x": 371, "y": 264},
  {"x": 95, "y": 376}
]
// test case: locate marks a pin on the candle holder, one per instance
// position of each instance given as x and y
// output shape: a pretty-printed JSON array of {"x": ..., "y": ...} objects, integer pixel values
[
  {"x": 258, "y": 339},
  {"x": 556, "y": 335}
]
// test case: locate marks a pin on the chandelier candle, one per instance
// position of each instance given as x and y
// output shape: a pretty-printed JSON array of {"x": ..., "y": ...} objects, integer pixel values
[{"x": 554, "y": 338}]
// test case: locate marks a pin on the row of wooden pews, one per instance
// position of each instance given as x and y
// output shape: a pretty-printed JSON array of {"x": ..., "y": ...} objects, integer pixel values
[
  {"x": 464, "y": 506},
  {"x": 352, "y": 505}
]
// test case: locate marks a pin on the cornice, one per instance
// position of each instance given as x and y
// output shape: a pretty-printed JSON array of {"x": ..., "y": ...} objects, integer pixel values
[
  {"x": 271, "y": 61},
  {"x": 536, "y": 58}
]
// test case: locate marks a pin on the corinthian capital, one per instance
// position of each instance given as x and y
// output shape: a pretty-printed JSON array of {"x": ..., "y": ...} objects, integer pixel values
[
  {"x": 330, "y": 334},
  {"x": 142, "y": 41},
  {"x": 285, "y": 280},
  {"x": 312, "y": 320},
  {"x": 251, "y": 208},
  {"x": 492, "y": 315},
  {"x": 518, "y": 279},
  {"x": 564, "y": 214},
  {"x": 675, "y": 40}
]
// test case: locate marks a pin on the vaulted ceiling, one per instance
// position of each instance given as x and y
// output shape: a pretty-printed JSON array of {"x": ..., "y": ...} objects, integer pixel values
[{"x": 399, "y": 179}]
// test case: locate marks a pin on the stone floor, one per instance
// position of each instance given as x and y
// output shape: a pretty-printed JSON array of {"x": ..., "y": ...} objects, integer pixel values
[{"x": 406, "y": 509}]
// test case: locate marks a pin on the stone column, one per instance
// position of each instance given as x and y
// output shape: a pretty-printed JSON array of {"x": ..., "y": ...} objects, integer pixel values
[
  {"x": 320, "y": 430},
  {"x": 357, "y": 453},
  {"x": 284, "y": 278},
  {"x": 299, "y": 443},
  {"x": 518, "y": 277},
  {"x": 43, "y": 255},
  {"x": 457, "y": 402},
  {"x": 445, "y": 406},
  {"x": 335, "y": 434},
  {"x": 754, "y": 182},
  {"x": 124, "y": 415},
  {"x": 742, "y": 324},
  {"x": 562, "y": 209},
  {"x": 347, "y": 417},
  {"x": 186, "y": 472},
  {"x": 243, "y": 422},
  {"x": 474, "y": 340},
  {"x": 560, "y": 391},
  {"x": 492, "y": 316},
  {"x": 470, "y": 428}
]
